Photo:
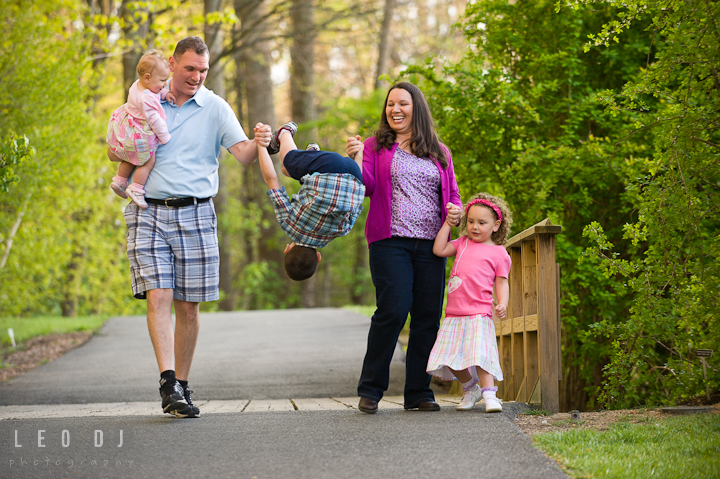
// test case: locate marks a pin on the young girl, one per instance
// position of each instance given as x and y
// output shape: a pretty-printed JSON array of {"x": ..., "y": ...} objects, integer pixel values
[
  {"x": 466, "y": 347},
  {"x": 136, "y": 128}
]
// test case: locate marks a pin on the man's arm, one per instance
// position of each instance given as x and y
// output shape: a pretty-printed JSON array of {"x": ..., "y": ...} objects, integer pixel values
[
  {"x": 267, "y": 168},
  {"x": 245, "y": 152}
]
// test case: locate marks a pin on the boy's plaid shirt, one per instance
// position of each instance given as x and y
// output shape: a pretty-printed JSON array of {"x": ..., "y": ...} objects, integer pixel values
[{"x": 327, "y": 206}]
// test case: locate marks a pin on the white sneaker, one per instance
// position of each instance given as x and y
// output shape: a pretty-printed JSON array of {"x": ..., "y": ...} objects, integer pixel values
[
  {"x": 469, "y": 399},
  {"x": 138, "y": 198},
  {"x": 118, "y": 189},
  {"x": 492, "y": 403}
]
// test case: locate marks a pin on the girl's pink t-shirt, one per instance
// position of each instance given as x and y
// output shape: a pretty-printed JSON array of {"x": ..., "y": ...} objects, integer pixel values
[{"x": 477, "y": 265}]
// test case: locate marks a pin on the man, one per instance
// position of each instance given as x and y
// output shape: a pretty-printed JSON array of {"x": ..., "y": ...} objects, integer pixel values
[{"x": 172, "y": 245}]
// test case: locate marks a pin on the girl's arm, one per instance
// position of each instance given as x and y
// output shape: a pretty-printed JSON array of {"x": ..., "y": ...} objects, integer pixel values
[
  {"x": 267, "y": 168},
  {"x": 157, "y": 123},
  {"x": 502, "y": 293},
  {"x": 442, "y": 247}
]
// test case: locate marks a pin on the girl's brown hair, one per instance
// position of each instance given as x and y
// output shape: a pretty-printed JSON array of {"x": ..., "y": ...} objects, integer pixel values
[
  {"x": 424, "y": 142},
  {"x": 500, "y": 236}
]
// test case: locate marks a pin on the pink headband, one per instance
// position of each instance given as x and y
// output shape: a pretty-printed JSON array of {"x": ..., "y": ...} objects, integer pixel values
[{"x": 485, "y": 203}]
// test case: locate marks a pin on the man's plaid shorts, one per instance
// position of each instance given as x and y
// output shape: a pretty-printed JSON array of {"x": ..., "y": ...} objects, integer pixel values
[{"x": 174, "y": 248}]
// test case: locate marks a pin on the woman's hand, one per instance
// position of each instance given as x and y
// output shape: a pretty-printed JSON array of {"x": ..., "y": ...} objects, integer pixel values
[
  {"x": 353, "y": 145},
  {"x": 501, "y": 311},
  {"x": 453, "y": 214}
]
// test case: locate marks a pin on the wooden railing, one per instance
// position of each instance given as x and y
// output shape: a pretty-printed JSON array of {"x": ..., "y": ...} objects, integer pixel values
[{"x": 529, "y": 336}]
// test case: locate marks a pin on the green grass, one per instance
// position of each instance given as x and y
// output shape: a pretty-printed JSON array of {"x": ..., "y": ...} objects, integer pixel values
[
  {"x": 681, "y": 447},
  {"x": 26, "y": 328}
]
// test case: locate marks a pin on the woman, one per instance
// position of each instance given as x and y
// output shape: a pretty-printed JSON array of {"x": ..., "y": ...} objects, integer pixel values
[{"x": 409, "y": 177}]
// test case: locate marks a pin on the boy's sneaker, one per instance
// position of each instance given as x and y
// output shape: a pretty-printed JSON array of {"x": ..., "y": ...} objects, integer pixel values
[
  {"x": 137, "y": 197},
  {"x": 492, "y": 403},
  {"x": 469, "y": 399},
  {"x": 118, "y": 188},
  {"x": 312, "y": 147},
  {"x": 173, "y": 399},
  {"x": 274, "y": 147},
  {"x": 187, "y": 392}
]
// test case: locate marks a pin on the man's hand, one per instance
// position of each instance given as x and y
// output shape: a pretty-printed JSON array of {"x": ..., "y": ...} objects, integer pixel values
[
  {"x": 263, "y": 134},
  {"x": 353, "y": 145},
  {"x": 453, "y": 214}
]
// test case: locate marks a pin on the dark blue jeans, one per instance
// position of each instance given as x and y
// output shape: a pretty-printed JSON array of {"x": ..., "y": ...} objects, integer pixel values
[{"x": 408, "y": 277}]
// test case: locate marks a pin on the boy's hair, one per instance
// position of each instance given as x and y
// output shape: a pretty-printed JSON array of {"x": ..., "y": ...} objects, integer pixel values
[
  {"x": 194, "y": 44},
  {"x": 500, "y": 236},
  {"x": 301, "y": 262},
  {"x": 150, "y": 61}
]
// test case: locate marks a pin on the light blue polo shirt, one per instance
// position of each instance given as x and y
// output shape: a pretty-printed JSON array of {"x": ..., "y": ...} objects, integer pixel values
[{"x": 188, "y": 164}]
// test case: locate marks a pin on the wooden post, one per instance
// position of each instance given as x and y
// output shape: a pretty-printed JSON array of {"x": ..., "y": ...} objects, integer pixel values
[
  {"x": 529, "y": 338},
  {"x": 549, "y": 336}
]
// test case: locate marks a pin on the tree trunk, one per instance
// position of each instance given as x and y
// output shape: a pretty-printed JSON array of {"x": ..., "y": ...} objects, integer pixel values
[
  {"x": 302, "y": 94},
  {"x": 244, "y": 192},
  {"x": 104, "y": 8},
  {"x": 308, "y": 290},
  {"x": 137, "y": 32},
  {"x": 214, "y": 39},
  {"x": 215, "y": 81},
  {"x": 302, "y": 56},
  {"x": 254, "y": 69},
  {"x": 327, "y": 285},
  {"x": 71, "y": 287},
  {"x": 256, "y": 62},
  {"x": 75, "y": 267},
  {"x": 385, "y": 44},
  {"x": 13, "y": 232}
]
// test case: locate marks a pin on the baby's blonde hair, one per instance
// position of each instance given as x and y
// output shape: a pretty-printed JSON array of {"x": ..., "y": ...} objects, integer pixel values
[
  {"x": 150, "y": 61},
  {"x": 500, "y": 236}
]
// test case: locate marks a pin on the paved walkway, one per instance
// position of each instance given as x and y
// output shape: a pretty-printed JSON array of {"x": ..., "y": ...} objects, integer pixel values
[
  {"x": 150, "y": 408},
  {"x": 277, "y": 395}
]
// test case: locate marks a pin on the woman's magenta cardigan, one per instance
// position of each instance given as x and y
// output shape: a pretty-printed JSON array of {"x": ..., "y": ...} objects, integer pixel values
[{"x": 378, "y": 187}]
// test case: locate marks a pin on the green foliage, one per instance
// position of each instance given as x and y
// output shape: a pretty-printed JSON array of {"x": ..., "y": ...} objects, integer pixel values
[
  {"x": 675, "y": 275},
  {"x": 625, "y": 137},
  {"x": 26, "y": 328},
  {"x": 67, "y": 256},
  {"x": 13, "y": 151},
  {"x": 521, "y": 116},
  {"x": 680, "y": 447}
]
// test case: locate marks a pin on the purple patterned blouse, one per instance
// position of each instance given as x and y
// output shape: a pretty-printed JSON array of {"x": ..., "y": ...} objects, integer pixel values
[{"x": 415, "y": 206}]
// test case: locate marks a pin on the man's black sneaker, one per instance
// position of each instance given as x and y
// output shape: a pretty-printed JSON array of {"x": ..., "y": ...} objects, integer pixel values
[
  {"x": 274, "y": 146},
  {"x": 173, "y": 399},
  {"x": 187, "y": 393}
]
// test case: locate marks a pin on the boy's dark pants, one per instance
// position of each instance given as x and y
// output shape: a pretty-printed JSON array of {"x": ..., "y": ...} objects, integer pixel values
[{"x": 299, "y": 163}]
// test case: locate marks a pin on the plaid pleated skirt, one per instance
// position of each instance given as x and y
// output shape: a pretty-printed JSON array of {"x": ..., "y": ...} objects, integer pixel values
[
  {"x": 130, "y": 138},
  {"x": 464, "y": 342}
]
